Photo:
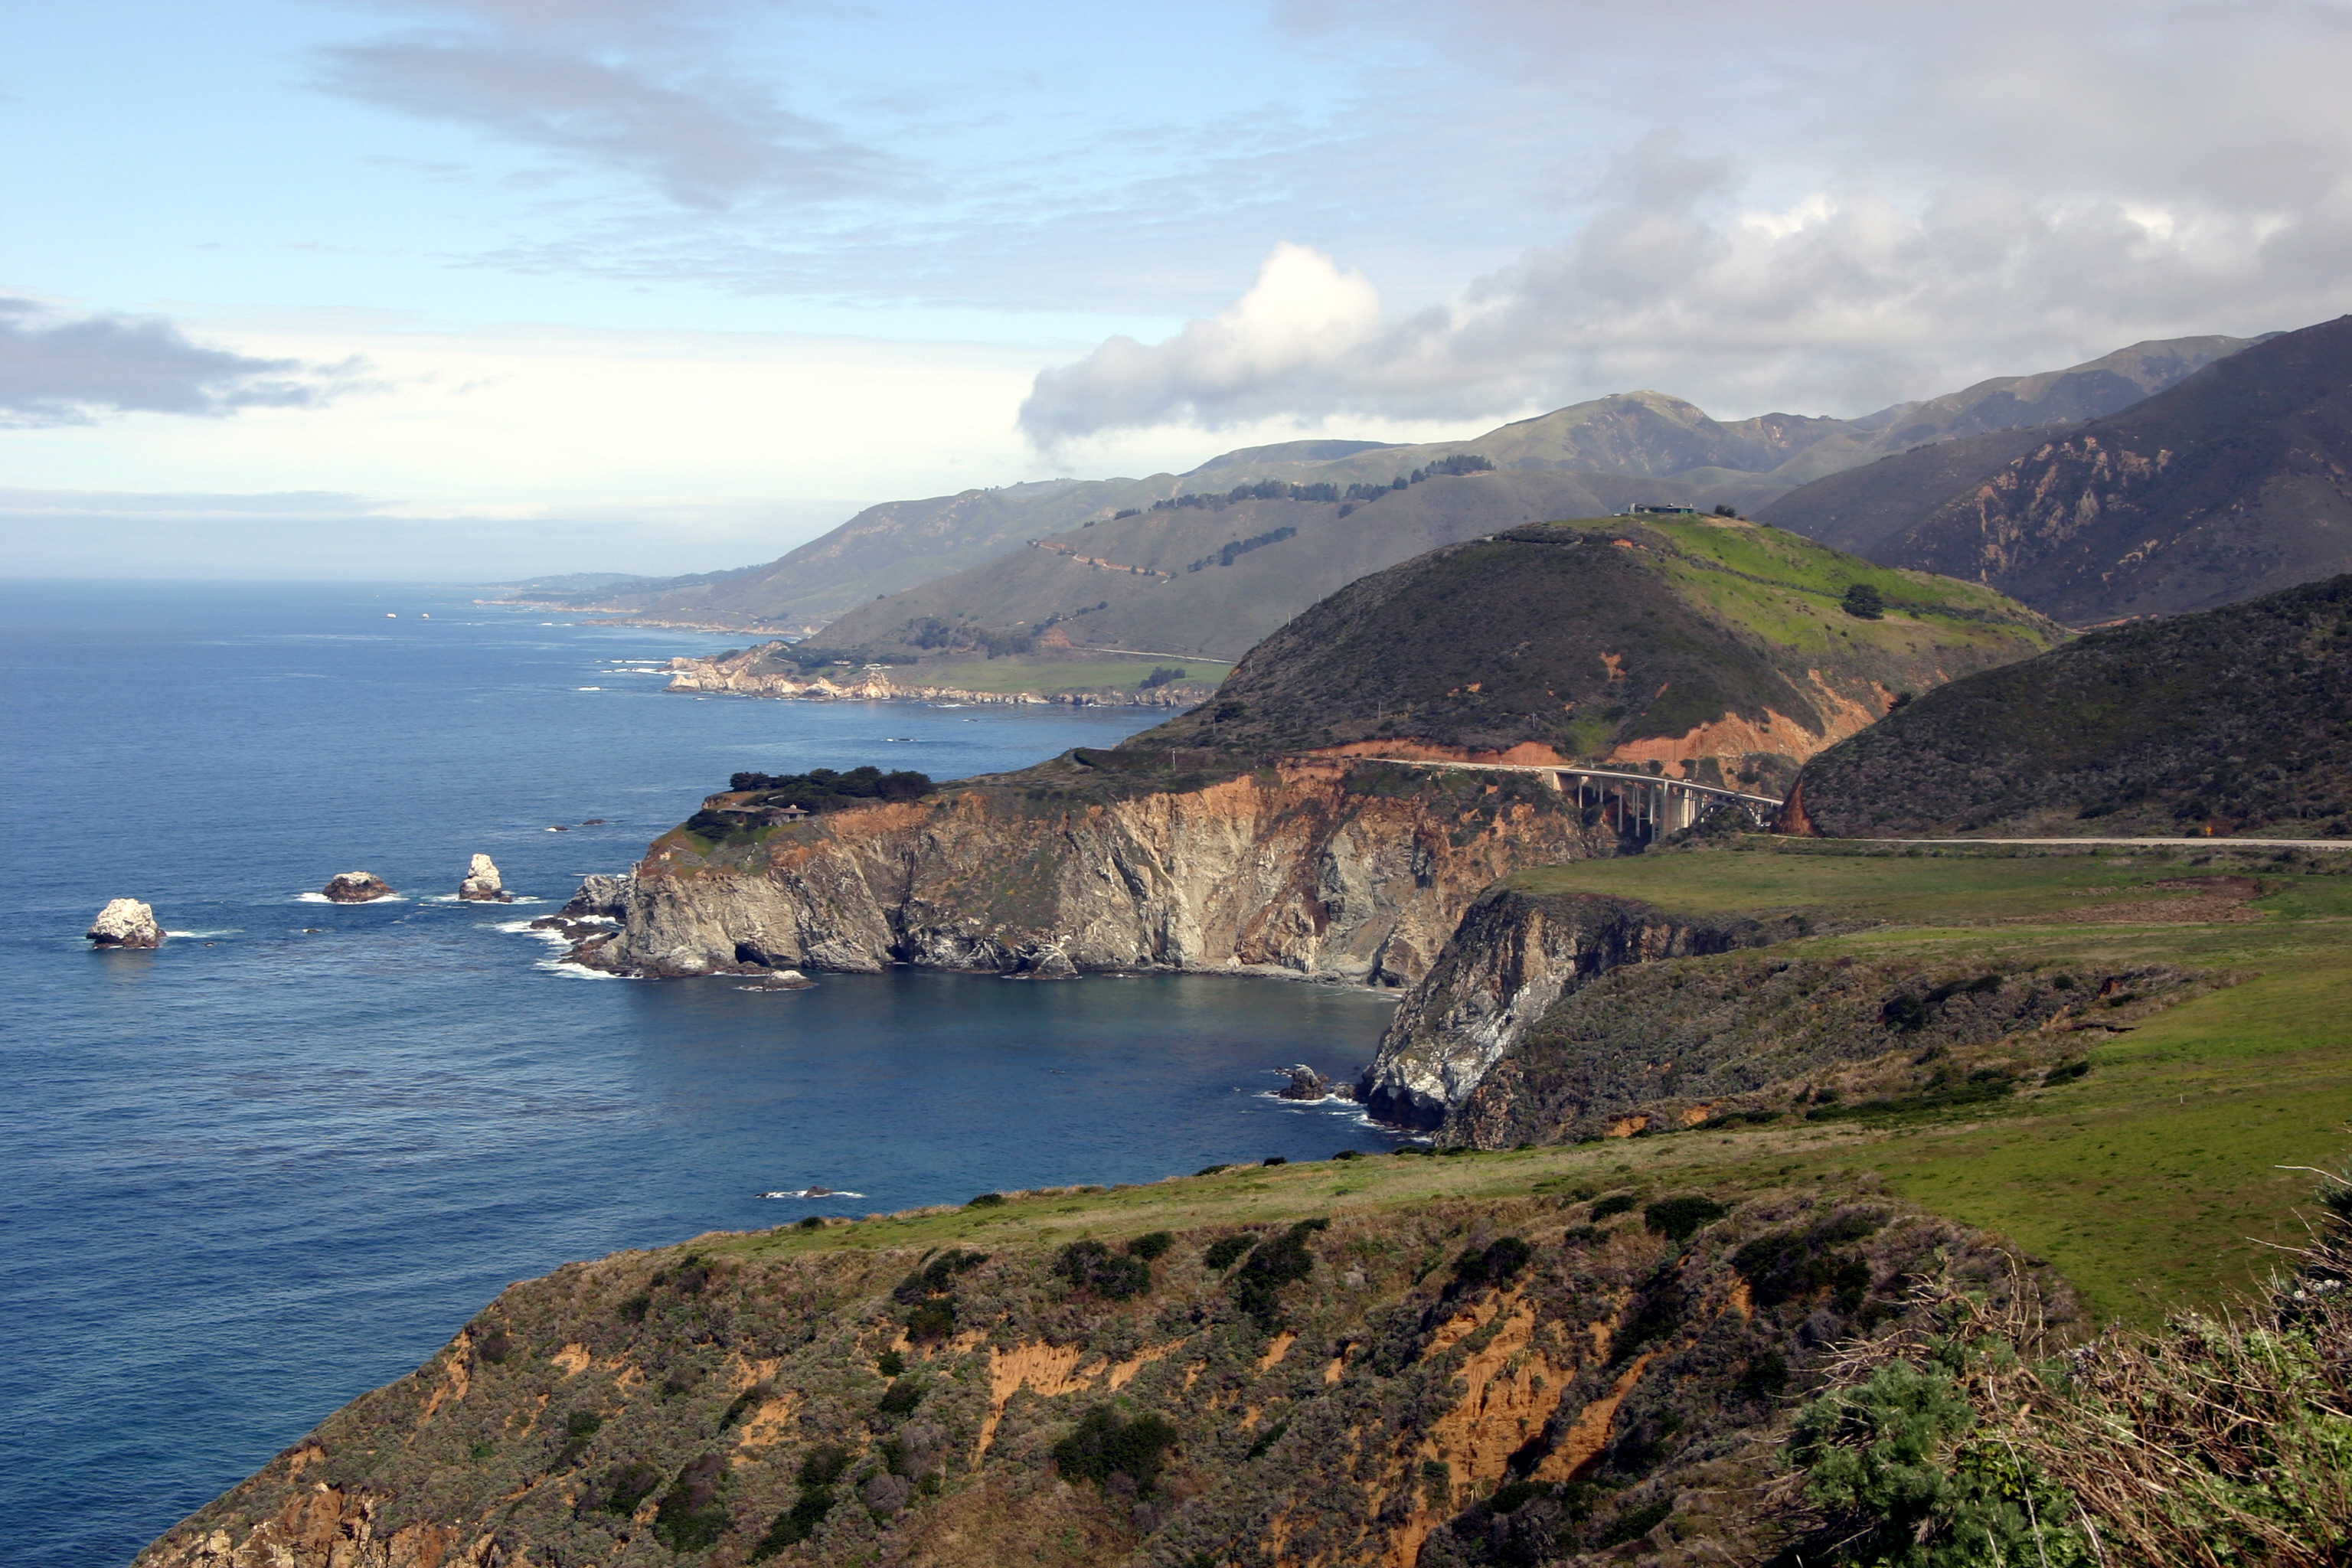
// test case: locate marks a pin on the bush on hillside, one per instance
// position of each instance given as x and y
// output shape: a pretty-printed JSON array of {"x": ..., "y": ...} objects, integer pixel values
[
  {"x": 1091, "y": 1265},
  {"x": 1106, "y": 1445},
  {"x": 1272, "y": 1265}
]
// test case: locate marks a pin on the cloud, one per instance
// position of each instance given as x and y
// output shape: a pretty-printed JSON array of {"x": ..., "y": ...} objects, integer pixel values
[
  {"x": 1302, "y": 316},
  {"x": 72, "y": 372},
  {"x": 636, "y": 89},
  {"x": 1844, "y": 299}
]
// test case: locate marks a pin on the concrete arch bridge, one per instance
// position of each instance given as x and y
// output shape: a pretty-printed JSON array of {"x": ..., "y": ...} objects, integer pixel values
[{"x": 1643, "y": 807}]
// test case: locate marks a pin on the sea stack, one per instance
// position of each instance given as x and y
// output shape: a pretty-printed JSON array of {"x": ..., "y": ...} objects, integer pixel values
[
  {"x": 483, "y": 883},
  {"x": 126, "y": 922},
  {"x": 356, "y": 887}
]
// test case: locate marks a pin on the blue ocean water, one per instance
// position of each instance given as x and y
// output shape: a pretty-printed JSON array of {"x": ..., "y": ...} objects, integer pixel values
[{"x": 276, "y": 1162}]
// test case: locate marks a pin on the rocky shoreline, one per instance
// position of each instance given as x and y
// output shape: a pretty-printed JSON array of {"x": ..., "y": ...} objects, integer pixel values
[{"x": 738, "y": 675}]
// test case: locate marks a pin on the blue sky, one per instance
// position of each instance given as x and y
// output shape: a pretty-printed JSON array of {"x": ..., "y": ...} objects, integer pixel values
[{"x": 489, "y": 287}]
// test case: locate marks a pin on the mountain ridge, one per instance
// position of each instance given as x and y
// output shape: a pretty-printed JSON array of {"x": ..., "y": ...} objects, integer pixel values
[{"x": 1593, "y": 447}]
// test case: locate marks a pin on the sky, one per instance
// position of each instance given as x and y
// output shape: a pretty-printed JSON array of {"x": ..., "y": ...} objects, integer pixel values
[{"x": 475, "y": 289}]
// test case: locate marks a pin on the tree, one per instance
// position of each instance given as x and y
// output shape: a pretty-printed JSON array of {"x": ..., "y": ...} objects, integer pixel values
[{"x": 1862, "y": 603}]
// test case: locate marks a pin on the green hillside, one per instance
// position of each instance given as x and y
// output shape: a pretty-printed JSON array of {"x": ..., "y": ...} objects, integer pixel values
[
  {"x": 2141, "y": 1174},
  {"x": 2236, "y": 721},
  {"x": 1721, "y": 643}
]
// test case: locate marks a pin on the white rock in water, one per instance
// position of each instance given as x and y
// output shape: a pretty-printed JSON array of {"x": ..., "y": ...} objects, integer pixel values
[
  {"x": 356, "y": 887},
  {"x": 482, "y": 882},
  {"x": 126, "y": 922}
]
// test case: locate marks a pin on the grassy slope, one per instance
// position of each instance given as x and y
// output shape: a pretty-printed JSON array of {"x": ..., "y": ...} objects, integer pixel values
[{"x": 2144, "y": 1182}]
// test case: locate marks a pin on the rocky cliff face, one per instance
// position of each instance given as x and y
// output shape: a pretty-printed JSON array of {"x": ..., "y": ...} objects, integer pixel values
[
  {"x": 1306, "y": 869},
  {"x": 1513, "y": 956}
]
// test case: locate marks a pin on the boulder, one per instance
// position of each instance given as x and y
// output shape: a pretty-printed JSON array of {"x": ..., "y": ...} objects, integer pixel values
[
  {"x": 126, "y": 922},
  {"x": 356, "y": 887},
  {"x": 1306, "y": 1083},
  {"x": 483, "y": 883}
]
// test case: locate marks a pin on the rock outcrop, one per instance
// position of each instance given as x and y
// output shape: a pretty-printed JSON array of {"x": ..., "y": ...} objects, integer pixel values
[
  {"x": 1315, "y": 868},
  {"x": 1306, "y": 1083},
  {"x": 126, "y": 922},
  {"x": 1513, "y": 956},
  {"x": 483, "y": 883},
  {"x": 356, "y": 887}
]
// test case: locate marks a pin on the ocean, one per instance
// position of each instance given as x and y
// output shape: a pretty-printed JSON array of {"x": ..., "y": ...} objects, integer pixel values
[{"x": 279, "y": 1160}]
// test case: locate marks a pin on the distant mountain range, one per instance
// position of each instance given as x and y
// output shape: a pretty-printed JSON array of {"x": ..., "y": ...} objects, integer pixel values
[{"x": 1593, "y": 457}]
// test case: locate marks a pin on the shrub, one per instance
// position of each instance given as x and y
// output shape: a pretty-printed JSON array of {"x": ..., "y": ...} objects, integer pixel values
[
  {"x": 986, "y": 1201},
  {"x": 1274, "y": 1159},
  {"x": 634, "y": 1309},
  {"x": 628, "y": 1484},
  {"x": 1614, "y": 1203},
  {"x": 1511, "y": 1495},
  {"x": 1789, "y": 1265},
  {"x": 902, "y": 1397},
  {"x": 1257, "y": 1283},
  {"x": 1266, "y": 1440},
  {"x": 936, "y": 1276},
  {"x": 812, "y": 1222},
  {"x": 580, "y": 1429},
  {"x": 1104, "y": 1444},
  {"x": 1091, "y": 1265},
  {"x": 1210, "y": 1169},
  {"x": 1886, "y": 1462},
  {"x": 1152, "y": 1245},
  {"x": 495, "y": 1346},
  {"x": 1493, "y": 1264},
  {"x": 931, "y": 1322},
  {"x": 1348, "y": 1154},
  {"x": 819, "y": 1470},
  {"x": 1634, "y": 1523},
  {"x": 890, "y": 1363},
  {"x": 692, "y": 1515},
  {"x": 1226, "y": 1250},
  {"x": 1679, "y": 1218}
]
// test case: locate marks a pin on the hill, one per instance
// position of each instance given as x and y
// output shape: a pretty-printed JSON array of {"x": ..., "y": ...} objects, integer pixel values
[
  {"x": 2238, "y": 719},
  {"x": 1213, "y": 581},
  {"x": 1590, "y": 450},
  {"x": 2236, "y": 482},
  {"x": 1722, "y": 646}
]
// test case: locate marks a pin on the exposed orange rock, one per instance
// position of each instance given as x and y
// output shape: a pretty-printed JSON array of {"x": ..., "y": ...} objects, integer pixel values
[{"x": 1590, "y": 1434}]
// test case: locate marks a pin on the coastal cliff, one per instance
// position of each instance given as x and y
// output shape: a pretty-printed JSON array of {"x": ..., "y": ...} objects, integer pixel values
[
  {"x": 1514, "y": 954},
  {"x": 1101, "y": 861}
]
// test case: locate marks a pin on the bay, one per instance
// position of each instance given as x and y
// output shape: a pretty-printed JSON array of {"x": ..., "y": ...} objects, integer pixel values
[{"x": 279, "y": 1160}]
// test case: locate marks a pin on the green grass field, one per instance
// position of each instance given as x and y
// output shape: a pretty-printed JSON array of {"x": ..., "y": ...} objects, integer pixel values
[
  {"x": 2152, "y": 1182},
  {"x": 1006, "y": 676}
]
